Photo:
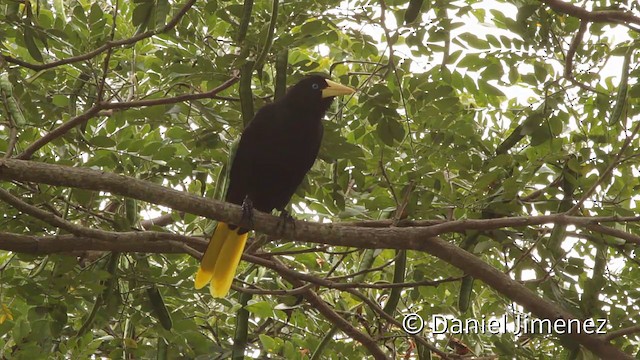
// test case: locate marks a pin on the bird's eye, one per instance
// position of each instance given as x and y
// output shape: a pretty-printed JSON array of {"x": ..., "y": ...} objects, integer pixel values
[{"x": 315, "y": 86}]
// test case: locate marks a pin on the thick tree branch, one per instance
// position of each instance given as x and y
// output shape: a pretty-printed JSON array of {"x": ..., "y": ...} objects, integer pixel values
[
  {"x": 78, "y": 230},
  {"x": 422, "y": 239},
  {"x": 89, "y": 179},
  {"x": 70, "y": 243}
]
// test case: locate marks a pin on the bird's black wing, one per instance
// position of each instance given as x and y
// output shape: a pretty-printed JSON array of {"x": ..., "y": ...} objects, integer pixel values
[
  {"x": 274, "y": 154},
  {"x": 254, "y": 140}
]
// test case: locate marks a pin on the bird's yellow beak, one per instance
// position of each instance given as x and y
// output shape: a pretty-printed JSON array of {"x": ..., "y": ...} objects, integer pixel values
[{"x": 335, "y": 89}]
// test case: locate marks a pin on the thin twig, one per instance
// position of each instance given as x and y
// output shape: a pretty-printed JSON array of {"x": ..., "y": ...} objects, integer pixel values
[
  {"x": 422, "y": 239},
  {"x": 64, "y": 128},
  {"x": 108, "y": 45},
  {"x": 11, "y": 124},
  {"x": 292, "y": 274},
  {"x": 327, "y": 311},
  {"x": 78, "y": 230},
  {"x": 607, "y": 171},
  {"x": 568, "y": 63},
  {"x": 609, "y": 16},
  {"x": 622, "y": 332}
]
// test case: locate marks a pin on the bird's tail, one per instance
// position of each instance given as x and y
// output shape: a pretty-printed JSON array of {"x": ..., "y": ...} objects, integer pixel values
[{"x": 220, "y": 260}]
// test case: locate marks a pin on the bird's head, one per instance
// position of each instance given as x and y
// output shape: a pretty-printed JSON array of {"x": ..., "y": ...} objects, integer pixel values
[{"x": 315, "y": 93}]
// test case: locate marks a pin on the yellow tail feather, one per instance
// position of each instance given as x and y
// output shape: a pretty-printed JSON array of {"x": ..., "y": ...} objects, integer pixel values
[
  {"x": 227, "y": 263},
  {"x": 210, "y": 257}
]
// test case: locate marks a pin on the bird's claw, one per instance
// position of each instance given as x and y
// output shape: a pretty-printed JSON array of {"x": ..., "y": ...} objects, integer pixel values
[
  {"x": 246, "y": 222},
  {"x": 285, "y": 218}
]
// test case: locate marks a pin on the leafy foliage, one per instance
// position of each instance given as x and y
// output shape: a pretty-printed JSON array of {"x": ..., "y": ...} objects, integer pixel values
[{"x": 465, "y": 110}]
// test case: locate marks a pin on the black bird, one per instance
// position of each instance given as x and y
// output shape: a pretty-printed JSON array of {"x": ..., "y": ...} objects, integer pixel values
[{"x": 275, "y": 152}]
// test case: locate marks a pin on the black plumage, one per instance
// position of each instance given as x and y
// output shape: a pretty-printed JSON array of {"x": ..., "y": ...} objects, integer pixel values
[{"x": 275, "y": 152}]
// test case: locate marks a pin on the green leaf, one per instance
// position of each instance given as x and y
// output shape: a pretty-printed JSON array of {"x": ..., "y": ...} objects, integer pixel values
[
  {"x": 21, "y": 329},
  {"x": 474, "y": 41},
  {"x": 162, "y": 11},
  {"x": 142, "y": 14},
  {"x": 165, "y": 153},
  {"x": 311, "y": 27},
  {"x": 540, "y": 72},
  {"x": 95, "y": 14},
  {"x": 492, "y": 72},
  {"x": 60, "y": 100},
  {"x": 413, "y": 10},
  {"x": 389, "y": 130},
  {"x": 260, "y": 308},
  {"x": 634, "y": 91},
  {"x": 102, "y": 141},
  {"x": 541, "y": 134},
  {"x": 30, "y": 42},
  {"x": 526, "y": 11},
  {"x": 489, "y": 89},
  {"x": 268, "y": 343}
]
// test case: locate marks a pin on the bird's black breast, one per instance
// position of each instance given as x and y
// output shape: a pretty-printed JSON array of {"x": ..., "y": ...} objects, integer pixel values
[{"x": 275, "y": 152}]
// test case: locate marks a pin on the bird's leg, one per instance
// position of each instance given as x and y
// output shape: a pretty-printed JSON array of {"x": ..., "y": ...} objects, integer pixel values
[
  {"x": 246, "y": 222},
  {"x": 285, "y": 217}
]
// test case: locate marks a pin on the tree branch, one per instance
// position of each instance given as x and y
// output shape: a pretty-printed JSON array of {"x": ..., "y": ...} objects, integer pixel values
[
  {"x": 161, "y": 221},
  {"x": 605, "y": 174},
  {"x": 568, "y": 62},
  {"x": 327, "y": 311},
  {"x": 64, "y": 128},
  {"x": 56, "y": 244},
  {"x": 422, "y": 239},
  {"x": 108, "y": 45},
  {"x": 609, "y": 16},
  {"x": 30, "y": 171},
  {"x": 622, "y": 332},
  {"x": 277, "y": 266}
]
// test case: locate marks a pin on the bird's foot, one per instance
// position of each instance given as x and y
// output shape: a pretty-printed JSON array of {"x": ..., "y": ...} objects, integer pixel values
[
  {"x": 285, "y": 218},
  {"x": 246, "y": 222}
]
